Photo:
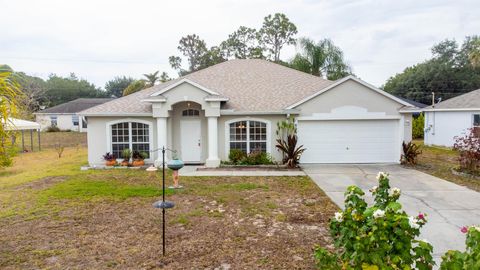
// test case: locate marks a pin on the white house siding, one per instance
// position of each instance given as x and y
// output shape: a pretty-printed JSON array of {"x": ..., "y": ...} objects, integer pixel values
[
  {"x": 64, "y": 121},
  {"x": 442, "y": 126}
]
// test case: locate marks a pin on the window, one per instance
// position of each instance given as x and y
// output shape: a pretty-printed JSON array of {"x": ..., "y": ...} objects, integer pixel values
[
  {"x": 191, "y": 112},
  {"x": 84, "y": 122},
  {"x": 248, "y": 136},
  {"x": 131, "y": 135},
  {"x": 476, "y": 120},
  {"x": 75, "y": 120},
  {"x": 53, "y": 120}
]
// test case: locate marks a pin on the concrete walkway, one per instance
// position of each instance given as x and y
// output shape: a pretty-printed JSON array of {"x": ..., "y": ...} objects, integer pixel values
[
  {"x": 448, "y": 206},
  {"x": 192, "y": 171}
]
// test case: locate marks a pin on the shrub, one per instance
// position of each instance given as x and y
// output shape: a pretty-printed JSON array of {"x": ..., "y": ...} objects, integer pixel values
[
  {"x": 410, "y": 153},
  {"x": 52, "y": 129},
  {"x": 109, "y": 157},
  {"x": 126, "y": 154},
  {"x": 236, "y": 155},
  {"x": 470, "y": 259},
  {"x": 287, "y": 143},
  {"x": 418, "y": 126},
  {"x": 468, "y": 147},
  {"x": 257, "y": 158},
  {"x": 378, "y": 237},
  {"x": 137, "y": 155}
]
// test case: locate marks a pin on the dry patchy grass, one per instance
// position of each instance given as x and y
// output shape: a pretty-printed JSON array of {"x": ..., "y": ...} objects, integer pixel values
[
  {"x": 439, "y": 162},
  {"x": 105, "y": 219}
]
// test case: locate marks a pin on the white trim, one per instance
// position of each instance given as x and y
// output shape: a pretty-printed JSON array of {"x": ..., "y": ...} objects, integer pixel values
[
  {"x": 216, "y": 99},
  {"x": 233, "y": 112},
  {"x": 108, "y": 127},
  {"x": 115, "y": 114},
  {"x": 350, "y": 77},
  {"x": 227, "y": 133},
  {"x": 184, "y": 81},
  {"x": 335, "y": 118},
  {"x": 452, "y": 110}
]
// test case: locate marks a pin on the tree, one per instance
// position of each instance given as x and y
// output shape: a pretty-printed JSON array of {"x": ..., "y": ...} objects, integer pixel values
[
  {"x": 135, "y": 86},
  {"x": 60, "y": 90},
  {"x": 197, "y": 53},
  {"x": 474, "y": 55},
  {"x": 448, "y": 73},
  {"x": 9, "y": 103},
  {"x": 277, "y": 31},
  {"x": 151, "y": 78},
  {"x": 33, "y": 89},
  {"x": 116, "y": 86},
  {"x": 322, "y": 59},
  {"x": 243, "y": 44},
  {"x": 164, "y": 77}
]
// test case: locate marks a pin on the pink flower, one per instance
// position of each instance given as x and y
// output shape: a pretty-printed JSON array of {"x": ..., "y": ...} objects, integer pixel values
[
  {"x": 421, "y": 216},
  {"x": 464, "y": 229}
]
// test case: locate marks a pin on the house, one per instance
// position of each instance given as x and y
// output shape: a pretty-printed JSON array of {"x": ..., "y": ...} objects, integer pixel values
[
  {"x": 237, "y": 105},
  {"x": 65, "y": 116},
  {"x": 452, "y": 117}
]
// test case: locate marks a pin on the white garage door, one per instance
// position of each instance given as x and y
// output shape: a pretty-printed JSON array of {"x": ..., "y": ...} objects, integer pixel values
[{"x": 352, "y": 141}]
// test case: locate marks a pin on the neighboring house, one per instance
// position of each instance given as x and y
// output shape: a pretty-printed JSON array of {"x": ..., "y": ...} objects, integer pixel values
[
  {"x": 65, "y": 116},
  {"x": 237, "y": 105},
  {"x": 452, "y": 117}
]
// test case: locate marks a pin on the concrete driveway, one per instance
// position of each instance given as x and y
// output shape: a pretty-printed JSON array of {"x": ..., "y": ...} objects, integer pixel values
[{"x": 448, "y": 206}]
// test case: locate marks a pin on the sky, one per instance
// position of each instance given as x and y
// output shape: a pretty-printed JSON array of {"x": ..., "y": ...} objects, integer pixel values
[{"x": 98, "y": 40}]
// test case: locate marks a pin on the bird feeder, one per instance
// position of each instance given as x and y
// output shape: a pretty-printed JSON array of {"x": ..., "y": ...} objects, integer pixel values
[{"x": 175, "y": 165}]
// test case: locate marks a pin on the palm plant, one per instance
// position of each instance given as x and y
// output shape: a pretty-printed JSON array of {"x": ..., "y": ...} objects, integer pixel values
[
  {"x": 322, "y": 59},
  {"x": 9, "y": 101},
  {"x": 151, "y": 78},
  {"x": 287, "y": 142}
]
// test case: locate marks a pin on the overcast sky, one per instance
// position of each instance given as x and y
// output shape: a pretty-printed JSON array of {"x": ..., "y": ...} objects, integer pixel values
[{"x": 104, "y": 38}]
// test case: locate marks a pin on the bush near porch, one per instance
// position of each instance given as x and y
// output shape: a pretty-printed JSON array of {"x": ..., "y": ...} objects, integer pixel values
[{"x": 52, "y": 215}]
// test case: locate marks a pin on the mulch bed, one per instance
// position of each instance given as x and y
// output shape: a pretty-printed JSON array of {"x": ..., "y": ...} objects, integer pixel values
[
  {"x": 249, "y": 168},
  {"x": 275, "y": 226}
]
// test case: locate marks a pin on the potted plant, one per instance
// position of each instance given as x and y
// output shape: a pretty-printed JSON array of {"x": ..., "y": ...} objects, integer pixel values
[
  {"x": 138, "y": 158},
  {"x": 110, "y": 159},
  {"x": 126, "y": 155}
]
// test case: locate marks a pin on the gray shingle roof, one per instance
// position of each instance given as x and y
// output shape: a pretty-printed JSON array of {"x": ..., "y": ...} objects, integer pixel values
[
  {"x": 251, "y": 85},
  {"x": 470, "y": 100},
  {"x": 76, "y": 105}
]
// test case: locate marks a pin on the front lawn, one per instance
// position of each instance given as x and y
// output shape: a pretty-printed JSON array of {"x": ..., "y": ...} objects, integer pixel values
[
  {"x": 52, "y": 215},
  {"x": 439, "y": 162}
]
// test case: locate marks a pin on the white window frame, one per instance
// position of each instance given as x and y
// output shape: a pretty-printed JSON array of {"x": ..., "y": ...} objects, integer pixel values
[
  {"x": 56, "y": 120},
  {"x": 130, "y": 121},
  {"x": 73, "y": 120},
  {"x": 247, "y": 119}
]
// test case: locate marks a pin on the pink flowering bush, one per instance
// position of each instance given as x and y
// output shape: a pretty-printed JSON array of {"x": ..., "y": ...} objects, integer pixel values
[
  {"x": 381, "y": 236},
  {"x": 468, "y": 147},
  {"x": 470, "y": 259}
]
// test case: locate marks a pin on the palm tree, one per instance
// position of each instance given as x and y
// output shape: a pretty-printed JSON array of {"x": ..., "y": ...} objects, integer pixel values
[
  {"x": 9, "y": 102},
  {"x": 152, "y": 78},
  {"x": 322, "y": 59}
]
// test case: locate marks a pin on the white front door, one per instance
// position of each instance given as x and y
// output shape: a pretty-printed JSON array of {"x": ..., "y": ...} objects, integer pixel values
[{"x": 190, "y": 139}]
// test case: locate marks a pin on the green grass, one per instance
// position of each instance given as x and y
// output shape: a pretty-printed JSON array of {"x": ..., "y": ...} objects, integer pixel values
[{"x": 84, "y": 190}]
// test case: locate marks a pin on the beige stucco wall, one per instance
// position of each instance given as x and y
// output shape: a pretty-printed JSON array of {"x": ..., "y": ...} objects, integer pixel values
[
  {"x": 97, "y": 137},
  {"x": 351, "y": 93}
]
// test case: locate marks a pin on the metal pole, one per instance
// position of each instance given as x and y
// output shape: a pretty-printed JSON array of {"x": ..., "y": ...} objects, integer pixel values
[
  {"x": 31, "y": 139},
  {"x": 23, "y": 140},
  {"x": 163, "y": 197},
  {"x": 38, "y": 133}
]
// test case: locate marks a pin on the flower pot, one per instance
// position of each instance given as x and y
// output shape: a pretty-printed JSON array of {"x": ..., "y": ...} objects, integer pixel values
[
  {"x": 124, "y": 163},
  {"x": 110, "y": 162},
  {"x": 138, "y": 162}
]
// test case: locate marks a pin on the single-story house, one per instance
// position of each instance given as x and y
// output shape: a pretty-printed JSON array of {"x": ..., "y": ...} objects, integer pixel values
[
  {"x": 237, "y": 105},
  {"x": 450, "y": 118},
  {"x": 65, "y": 116}
]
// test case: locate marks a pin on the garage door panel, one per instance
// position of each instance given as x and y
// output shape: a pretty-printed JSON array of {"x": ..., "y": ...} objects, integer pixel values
[{"x": 365, "y": 141}]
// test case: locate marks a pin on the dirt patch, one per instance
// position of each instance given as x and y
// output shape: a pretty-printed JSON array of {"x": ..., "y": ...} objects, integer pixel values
[
  {"x": 43, "y": 183},
  {"x": 217, "y": 223}
]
